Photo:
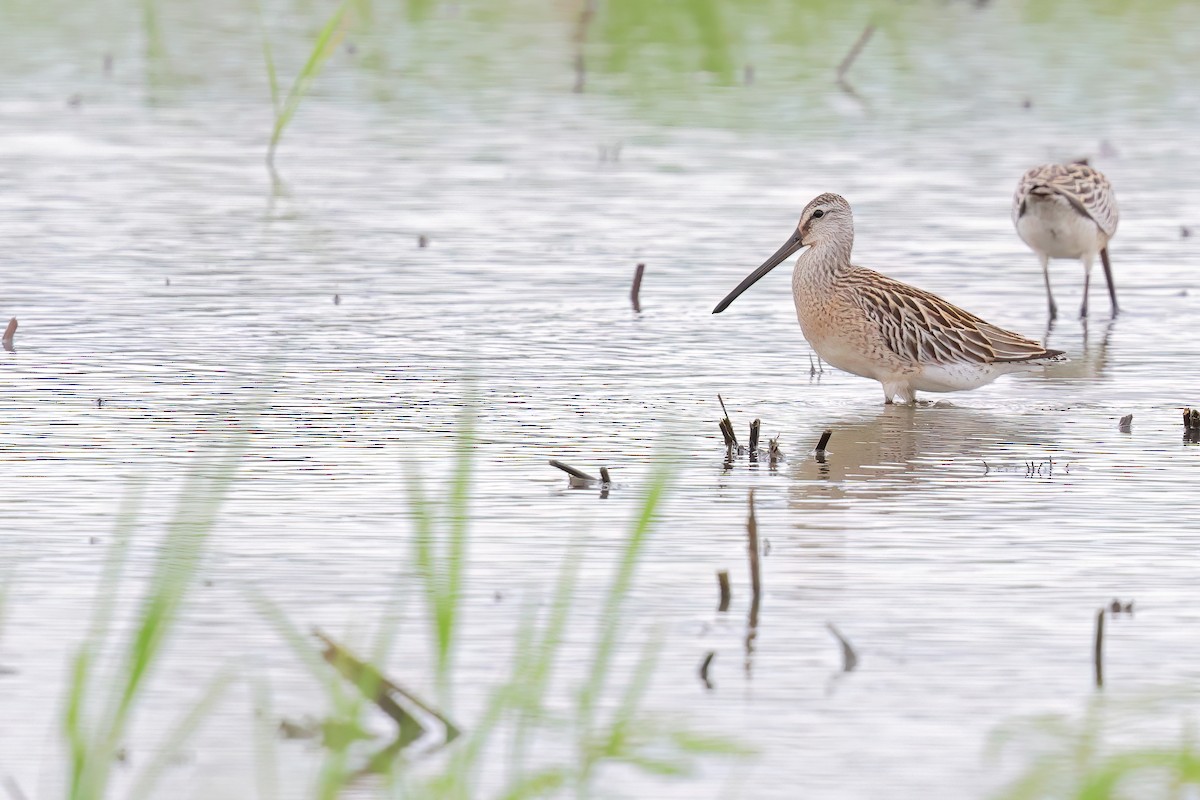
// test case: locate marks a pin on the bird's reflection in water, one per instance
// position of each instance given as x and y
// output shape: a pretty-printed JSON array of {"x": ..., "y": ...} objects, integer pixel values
[
  {"x": 1088, "y": 353},
  {"x": 903, "y": 449}
]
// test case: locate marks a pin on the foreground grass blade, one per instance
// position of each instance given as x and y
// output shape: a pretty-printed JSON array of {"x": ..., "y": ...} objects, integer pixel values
[
  {"x": 93, "y": 743},
  {"x": 327, "y": 41}
]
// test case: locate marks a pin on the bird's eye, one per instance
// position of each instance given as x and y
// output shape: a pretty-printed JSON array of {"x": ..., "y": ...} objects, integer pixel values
[{"x": 818, "y": 214}]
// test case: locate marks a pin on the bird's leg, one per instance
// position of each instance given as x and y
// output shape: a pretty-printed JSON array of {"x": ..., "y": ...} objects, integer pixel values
[
  {"x": 909, "y": 395},
  {"x": 1088, "y": 260},
  {"x": 1112, "y": 290},
  {"x": 1049, "y": 294}
]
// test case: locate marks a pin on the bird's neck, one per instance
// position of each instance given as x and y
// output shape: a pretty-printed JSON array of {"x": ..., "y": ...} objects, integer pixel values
[{"x": 824, "y": 261}]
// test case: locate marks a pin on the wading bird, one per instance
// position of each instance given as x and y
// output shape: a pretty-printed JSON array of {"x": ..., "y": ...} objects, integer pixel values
[
  {"x": 1067, "y": 211},
  {"x": 871, "y": 325}
]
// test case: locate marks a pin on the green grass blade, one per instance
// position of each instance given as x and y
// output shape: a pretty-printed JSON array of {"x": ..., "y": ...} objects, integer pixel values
[
  {"x": 268, "y": 58},
  {"x": 322, "y": 49},
  {"x": 179, "y": 735},
  {"x": 610, "y": 618}
]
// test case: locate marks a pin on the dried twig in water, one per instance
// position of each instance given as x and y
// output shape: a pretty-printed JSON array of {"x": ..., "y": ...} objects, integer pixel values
[
  {"x": 9, "y": 332},
  {"x": 723, "y": 583},
  {"x": 754, "y": 431},
  {"x": 585, "y": 19},
  {"x": 755, "y": 585},
  {"x": 637, "y": 287},
  {"x": 852, "y": 56},
  {"x": 1126, "y": 424},
  {"x": 604, "y": 476},
  {"x": 728, "y": 425},
  {"x": 577, "y": 475},
  {"x": 752, "y": 545},
  {"x": 774, "y": 454},
  {"x": 1098, "y": 654},
  {"x": 823, "y": 441},
  {"x": 382, "y": 692},
  {"x": 704, "y": 669},
  {"x": 849, "y": 657}
]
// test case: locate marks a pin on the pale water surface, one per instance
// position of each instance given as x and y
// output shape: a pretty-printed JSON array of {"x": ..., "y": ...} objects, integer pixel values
[{"x": 151, "y": 268}]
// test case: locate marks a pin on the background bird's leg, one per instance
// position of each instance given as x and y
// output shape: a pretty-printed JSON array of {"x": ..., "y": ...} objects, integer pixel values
[
  {"x": 1049, "y": 294},
  {"x": 1088, "y": 260},
  {"x": 1112, "y": 290}
]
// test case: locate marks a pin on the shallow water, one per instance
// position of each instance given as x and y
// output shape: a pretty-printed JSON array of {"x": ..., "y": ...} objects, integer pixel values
[{"x": 153, "y": 268}]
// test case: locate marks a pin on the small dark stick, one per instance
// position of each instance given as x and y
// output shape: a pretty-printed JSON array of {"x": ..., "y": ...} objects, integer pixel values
[
  {"x": 723, "y": 582},
  {"x": 422, "y": 241},
  {"x": 574, "y": 473},
  {"x": 704, "y": 669},
  {"x": 585, "y": 19},
  {"x": 823, "y": 441},
  {"x": 849, "y": 657},
  {"x": 1126, "y": 424},
  {"x": 637, "y": 287},
  {"x": 1098, "y": 656},
  {"x": 752, "y": 546},
  {"x": 728, "y": 424},
  {"x": 850, "y": 58},
  {"x": 754, "y": 431},
  {"x": 9, "y": 332},
  {"x": 337, "y": 299},
  {"x": 604, "y": 475}
]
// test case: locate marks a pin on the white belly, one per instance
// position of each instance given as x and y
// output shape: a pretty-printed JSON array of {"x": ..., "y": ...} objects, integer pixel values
[{"x": 1052, "y": 227}]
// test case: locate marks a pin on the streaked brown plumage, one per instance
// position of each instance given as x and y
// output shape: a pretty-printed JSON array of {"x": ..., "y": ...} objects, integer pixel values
[
  {"x": 1067, "y": 211},
  {"x": 871, "y": 325}
]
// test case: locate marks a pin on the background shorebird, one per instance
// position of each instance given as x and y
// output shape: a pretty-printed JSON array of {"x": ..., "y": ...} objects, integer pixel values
[
  {"x": 1067, "y": 211},
  {"x": 871, "y": 325}
]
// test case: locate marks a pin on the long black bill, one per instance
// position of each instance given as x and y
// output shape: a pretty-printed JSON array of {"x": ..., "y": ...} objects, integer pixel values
[{"x": 790, "y": 246}]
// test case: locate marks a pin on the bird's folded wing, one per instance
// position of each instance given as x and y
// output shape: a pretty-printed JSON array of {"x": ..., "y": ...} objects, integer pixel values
[{"x": 923, "y": 327}]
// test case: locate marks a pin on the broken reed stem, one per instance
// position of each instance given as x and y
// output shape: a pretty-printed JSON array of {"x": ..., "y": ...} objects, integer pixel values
[
  {"x": 754, "y": 430},
  {"x": 704, "y": 669},
  {"x": 379, "y": 689},
  {"x": 849, "y": 657},
  {"x": 637, "y": 287},
  {"x": 1098, "y": 655},
  {"x": 574, "y": 473},
  {"x": 824, "y": 440},
  {"x": 852, "y": 56},
  {"x": 752, "y": 546},
  {"x": 727, "y": 426},
  {"x": 604, "y": 475},
  {"x": 726, "y": 595},
  {"x": 585, "y": 19}
]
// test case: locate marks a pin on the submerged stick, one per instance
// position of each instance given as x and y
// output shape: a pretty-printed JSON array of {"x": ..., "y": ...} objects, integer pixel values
[
  {"x": 754, "y": 430},
  {"x": 581, "y": 30},
  {"x": 723, "y": 583},
  {"x": 852, "y": 56},
  {"x": 704, "y": 669},
  {"x": 377, "y": 688},
  {"x": 1098, "y": 655},
  {"x": 574, "y": 473},
  {"x": 726, "y": 425},
  {"x": 752, "y": 546},
  {"x": 849, "y": 657},
  {"x": 9, "y": 332},
  {"x": 637, "y": 287}
]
